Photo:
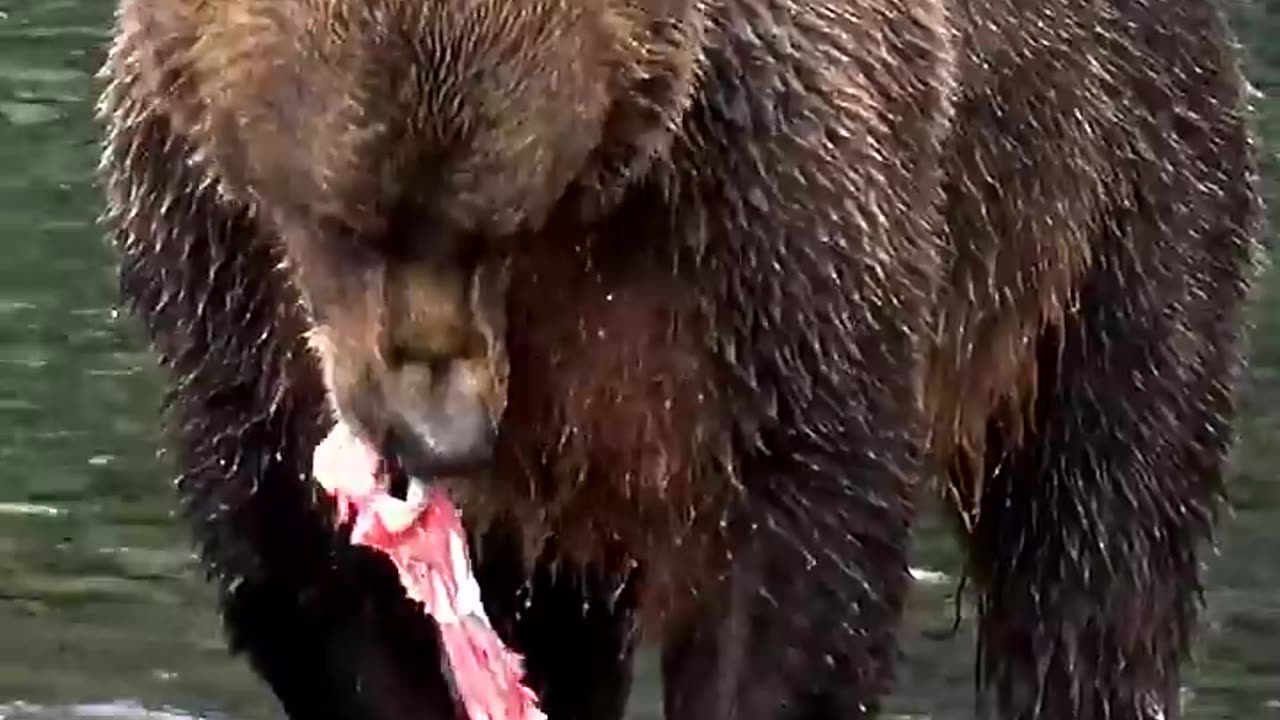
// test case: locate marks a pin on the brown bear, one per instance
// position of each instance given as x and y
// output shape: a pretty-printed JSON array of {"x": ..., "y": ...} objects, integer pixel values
[{"x": 687, "y": 301}]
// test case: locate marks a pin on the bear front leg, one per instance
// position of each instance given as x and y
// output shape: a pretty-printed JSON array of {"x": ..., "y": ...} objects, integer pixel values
[
  {"x": 803, "y": 624},
  {"x": 325, "y": 624},
  {"x": 575, "y": 627},
  {"x": 1088, "y": 543},
  {"x": 349, "y": 646}
]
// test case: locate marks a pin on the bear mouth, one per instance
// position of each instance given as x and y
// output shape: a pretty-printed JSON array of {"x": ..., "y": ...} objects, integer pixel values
[
  {"x": 414, "y": 522},
  {"x": 361, "y": 478},
  {"x": 399, "y": 483}
]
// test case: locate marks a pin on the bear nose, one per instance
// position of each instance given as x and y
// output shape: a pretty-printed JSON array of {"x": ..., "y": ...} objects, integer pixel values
[
  {"x": 456, "y": 447},
  {"x": 437, "y": 421},
  {"x": 426, "y": 421}
]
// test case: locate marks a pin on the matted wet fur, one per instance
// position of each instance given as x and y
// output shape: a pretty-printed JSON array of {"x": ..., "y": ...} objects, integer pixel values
[{"x": 688, "y": 299}]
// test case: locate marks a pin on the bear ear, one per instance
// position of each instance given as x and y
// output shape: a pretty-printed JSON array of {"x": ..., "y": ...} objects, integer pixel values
[
  {"x": 154, "y": 68},
  {"x": 659, "y": 57},
  {"x": 149, "y": 57}
]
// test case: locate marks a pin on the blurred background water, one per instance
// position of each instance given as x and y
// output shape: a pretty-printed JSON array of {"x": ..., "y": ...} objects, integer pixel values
[{"x": 103, "y": 611}]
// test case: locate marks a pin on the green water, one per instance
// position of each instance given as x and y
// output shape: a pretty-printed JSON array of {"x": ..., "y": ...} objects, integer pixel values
[{"x": 102, "y": 610}]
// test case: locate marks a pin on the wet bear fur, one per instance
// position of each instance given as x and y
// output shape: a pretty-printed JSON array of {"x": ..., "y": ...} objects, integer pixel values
[{"x": 775, "y": 266}]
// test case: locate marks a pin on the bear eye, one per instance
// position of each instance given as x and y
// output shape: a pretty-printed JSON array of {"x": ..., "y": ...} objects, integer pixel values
[
  {"x": 343, "y": 245},
  {"x": 415, "y": 232},
  {"x": 436, "y": 362}
]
